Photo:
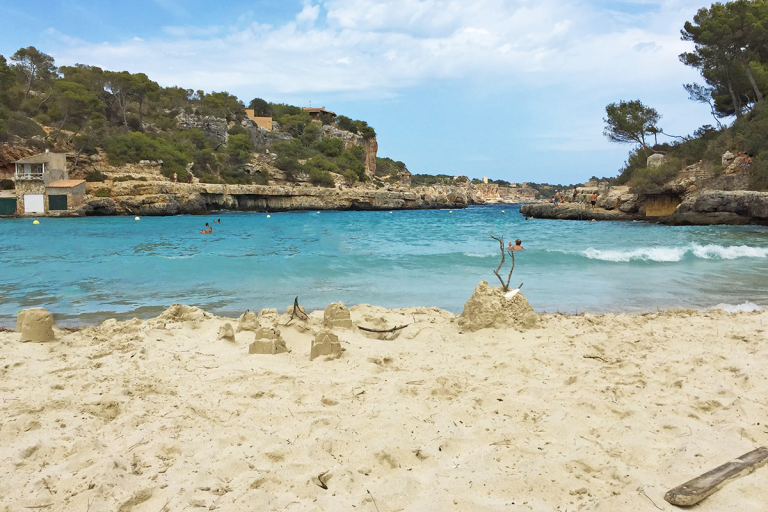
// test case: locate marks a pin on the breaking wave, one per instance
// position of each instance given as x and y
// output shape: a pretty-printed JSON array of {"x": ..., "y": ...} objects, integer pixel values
[
  {"x": 671, "y": 254},
  {"x": 746, "y": 307}
]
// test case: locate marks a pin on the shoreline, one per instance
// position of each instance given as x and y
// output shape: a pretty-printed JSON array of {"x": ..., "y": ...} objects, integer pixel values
[{"x": 536, "y": 411}]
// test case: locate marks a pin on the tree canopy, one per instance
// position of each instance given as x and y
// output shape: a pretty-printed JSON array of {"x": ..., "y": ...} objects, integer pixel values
[{"x": 629, "y": 122}]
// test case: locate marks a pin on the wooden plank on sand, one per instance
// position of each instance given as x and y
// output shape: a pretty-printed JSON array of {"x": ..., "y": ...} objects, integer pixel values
[{"x": 692, "y": 492}]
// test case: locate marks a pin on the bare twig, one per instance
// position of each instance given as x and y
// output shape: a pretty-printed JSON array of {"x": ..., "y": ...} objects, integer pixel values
[
  {"x": 297, "y": 311},
  {"x": 374, "y": 501},
  {"x": 641, "y": 490},
  {"x": 504, "y": 286}
]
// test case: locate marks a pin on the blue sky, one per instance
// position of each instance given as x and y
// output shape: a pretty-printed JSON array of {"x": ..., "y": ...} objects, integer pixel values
[{"x": 510, "y": 89}]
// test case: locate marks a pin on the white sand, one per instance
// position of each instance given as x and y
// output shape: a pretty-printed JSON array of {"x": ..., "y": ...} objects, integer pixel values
[{"x": 584, "y": 413}]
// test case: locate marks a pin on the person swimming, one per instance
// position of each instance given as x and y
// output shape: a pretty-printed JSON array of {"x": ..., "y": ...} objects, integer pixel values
[{"x": 517, "y": 247}]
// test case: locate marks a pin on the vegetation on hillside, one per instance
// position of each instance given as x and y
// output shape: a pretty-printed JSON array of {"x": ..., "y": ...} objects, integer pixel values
[
  {"x": 731, "y": 53},
  {"x": 132, "y": 118}
]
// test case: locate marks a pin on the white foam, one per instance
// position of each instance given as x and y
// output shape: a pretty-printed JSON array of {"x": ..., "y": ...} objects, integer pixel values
[
  {"x": 746, "y": 307},
  {"x": 670, "y": 254},
  {"x": 477, "y": 255}
]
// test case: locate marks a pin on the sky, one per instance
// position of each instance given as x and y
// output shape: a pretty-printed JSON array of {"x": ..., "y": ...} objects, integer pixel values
[{"x": 508, "y": 89}]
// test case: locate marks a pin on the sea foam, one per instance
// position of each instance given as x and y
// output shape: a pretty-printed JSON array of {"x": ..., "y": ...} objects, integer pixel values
[
  {"x": 746, "y": 307},
  {"x": 671, "y": 254}
]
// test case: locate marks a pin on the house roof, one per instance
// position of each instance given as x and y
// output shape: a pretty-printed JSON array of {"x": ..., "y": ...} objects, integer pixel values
[
  {"x": 320, "y": 110},
  {"x": 66, "y": 183},
  {"x": 42, "y": 158}
]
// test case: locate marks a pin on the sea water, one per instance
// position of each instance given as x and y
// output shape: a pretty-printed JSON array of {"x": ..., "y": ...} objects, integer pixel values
[{"x": 88, "y": 269}]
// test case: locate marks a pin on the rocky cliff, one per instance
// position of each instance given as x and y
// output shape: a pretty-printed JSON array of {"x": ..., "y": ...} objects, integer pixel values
[{"x": 164, "y": 198}]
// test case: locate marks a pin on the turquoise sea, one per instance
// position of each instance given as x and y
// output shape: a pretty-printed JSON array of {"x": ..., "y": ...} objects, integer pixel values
[{"x": 86, "y": 270}]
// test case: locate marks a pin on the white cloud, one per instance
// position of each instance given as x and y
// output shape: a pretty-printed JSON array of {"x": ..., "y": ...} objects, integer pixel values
[
  {"x": 377, "y": 47},
  {"x": 308, "y": 15}
]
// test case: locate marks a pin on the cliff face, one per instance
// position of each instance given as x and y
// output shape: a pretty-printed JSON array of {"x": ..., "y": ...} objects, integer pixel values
[
  {"x": 371, "y": 147},
  {"x": 164, "y": 198}
]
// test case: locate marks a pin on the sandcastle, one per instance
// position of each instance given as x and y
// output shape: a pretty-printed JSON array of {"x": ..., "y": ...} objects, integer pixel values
[
  {"x": 337, "y": 315},
  {"x": 268, "y": 338},
  {"x": 268, "y": 341},
  {"x": 325, "y": 344},
  {"x": 36, "y": 325},
  {"x": 488, "y": 307}
]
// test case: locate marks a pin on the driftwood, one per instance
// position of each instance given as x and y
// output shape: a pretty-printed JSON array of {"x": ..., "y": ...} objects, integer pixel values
[
  {"x": 504, "y": 286},
  {"x": 692, "y": 492},
  {"x": 384, "y": 331},
  {"x": 297, "y": 311}
]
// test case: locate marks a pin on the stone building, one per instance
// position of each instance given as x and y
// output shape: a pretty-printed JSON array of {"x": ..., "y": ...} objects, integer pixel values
[
  {"x": 42, "y": 185},
  {"x": 317, "y": 113},
  {"x": 261, "y": 121}
]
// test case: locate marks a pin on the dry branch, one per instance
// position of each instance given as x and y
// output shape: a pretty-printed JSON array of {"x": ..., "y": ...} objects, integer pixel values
[
  {"x": 382, "y": 331},
  {"x": 504, "y": 286},
  {"x": 297, "y": 311}
]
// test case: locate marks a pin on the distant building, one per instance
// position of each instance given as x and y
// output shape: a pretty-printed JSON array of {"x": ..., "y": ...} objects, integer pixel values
[
  {"x": 42, "y": 186},
  {"x": 485, "y": 180},
  {"x": 317, "y": 113},
  {"x": 262, "y": 122}
]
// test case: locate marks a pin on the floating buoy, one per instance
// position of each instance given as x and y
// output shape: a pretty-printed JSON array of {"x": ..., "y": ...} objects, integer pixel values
[
  {"x": 269, "y": 216},
  {"x": 137, "y": 218},
  {"x": 36, "y": 222},
  {"x": 502, "y": 211},
  {"x": 450, "y": 211},
  {"x": 390, "y": 212}
]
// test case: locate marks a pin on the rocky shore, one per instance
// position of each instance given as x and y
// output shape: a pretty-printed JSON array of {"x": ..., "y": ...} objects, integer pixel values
[
  {"x": 164, "y": 198},
  {"x": 686, "y": 207}
]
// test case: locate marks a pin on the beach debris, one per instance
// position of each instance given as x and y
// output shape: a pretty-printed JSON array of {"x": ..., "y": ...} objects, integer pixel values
[
  {"x": 35, "y": 324},
  {"x": 366, "y": 329},
  {"x": 268, "y": 341},
  {"x": 337, "y": 315},
  {"x": 505, "y": 286},
  {"x": 248, "y": 321},
  {"x": 296, "y": 311},
  {"x": 489, "y": 308},
  {"x": 325, "y": 344},
  {"x": 227, "y": 333},
  {"x": 694, "y": 491},
  {"x": 322, "y": 479}
]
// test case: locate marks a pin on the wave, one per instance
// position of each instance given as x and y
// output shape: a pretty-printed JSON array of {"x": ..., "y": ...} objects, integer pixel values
[
  {"x": 746, "y": 307},
  {"x": 477, "y": 255},
  {"x": 671, "y": 254}
]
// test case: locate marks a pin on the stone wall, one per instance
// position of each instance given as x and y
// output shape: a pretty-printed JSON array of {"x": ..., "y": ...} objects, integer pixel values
[{"x": 27, "y": 187}]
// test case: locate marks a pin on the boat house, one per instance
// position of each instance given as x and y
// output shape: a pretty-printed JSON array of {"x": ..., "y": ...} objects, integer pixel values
[
  {"x": 317, "y": 113},
  {"x": 42, "y": 185}
]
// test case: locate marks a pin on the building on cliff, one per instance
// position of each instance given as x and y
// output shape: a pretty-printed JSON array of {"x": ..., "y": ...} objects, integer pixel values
[
  {"x": 261, "y": 122},
  {"x": 317, "y": 113},
  {"x": 42, "y": 186}
]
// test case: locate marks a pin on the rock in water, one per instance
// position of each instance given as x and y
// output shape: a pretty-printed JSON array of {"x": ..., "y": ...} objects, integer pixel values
[
  {"x": 35, "y": 324},
  {"x": 248, "y": 322},
  {"x": 325, "y": 344},
  {"x": 489, "y": 308},
  {"x": 227, "y": 333},
  {"x": 337, "y": 315},
  {"x": 268, "y": 341}
]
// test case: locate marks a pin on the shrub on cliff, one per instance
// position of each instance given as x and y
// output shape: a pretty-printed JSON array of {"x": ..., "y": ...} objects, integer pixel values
[
  {"x": 351, "y": 176},
  {"x": 651, "y": 181},
  {"x": 758, "y": 172},
  {"x": 239, "y": 148},
  {"x": 95, "y": 176},
  {"x": 388, "y": 167},
  {"x": 329, "y": 146},
  {"x": 347, "y": 161},
  {"x": 293, "y": 148},
  {"x": 222, "y": 104},
  {"x": 260, "y": 107},
  {"x": 321, "y": 178},
  {"x": 6, "y": 184},
  {"x": 104, "y": 192},
  {"x": 132, "y": 147}
]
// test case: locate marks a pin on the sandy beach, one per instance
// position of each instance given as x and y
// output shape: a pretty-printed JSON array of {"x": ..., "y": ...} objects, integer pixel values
[{"x": 540, "y": 413}]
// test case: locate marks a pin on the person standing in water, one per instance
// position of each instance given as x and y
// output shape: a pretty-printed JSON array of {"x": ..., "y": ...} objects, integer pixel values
[{"x": 517, "y": 247}]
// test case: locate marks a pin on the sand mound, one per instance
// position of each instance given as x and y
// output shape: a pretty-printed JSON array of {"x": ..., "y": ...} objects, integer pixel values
[
  {"x": 226, "y": 333},
  {"x": 181, "y": 313},
  {"x": 489, "y": 308},
  {"x": 35, "y": 324}
]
